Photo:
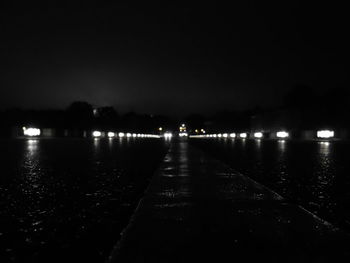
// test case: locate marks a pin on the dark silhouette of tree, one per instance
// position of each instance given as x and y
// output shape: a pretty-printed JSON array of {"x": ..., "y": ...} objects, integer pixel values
[
  {"x": 106, "y": 117},
  {"x": 79, "y": 115}
]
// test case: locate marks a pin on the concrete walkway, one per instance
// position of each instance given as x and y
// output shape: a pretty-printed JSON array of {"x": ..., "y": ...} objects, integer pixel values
[{"x": 197, "y": 209}]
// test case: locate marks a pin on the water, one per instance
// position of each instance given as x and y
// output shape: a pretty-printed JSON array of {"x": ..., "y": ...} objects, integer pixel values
[
  {"x": 313, "y": 174},
  {"x": 66, "y": 200}
]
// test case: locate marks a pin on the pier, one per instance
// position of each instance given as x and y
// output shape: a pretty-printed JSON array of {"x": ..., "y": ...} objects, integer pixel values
[{"x": 197, "y": 209}]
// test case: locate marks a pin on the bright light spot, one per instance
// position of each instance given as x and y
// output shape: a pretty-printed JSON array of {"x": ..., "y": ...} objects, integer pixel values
[
  {"x": 134, "y": 135},
  {"x": 202, "y": 130},
  {"x": 168, "y": 135},
  {"x": 110, "y": 134},
  {"x": 183, "y": 134},
  {"x": 243, "y": 135},
  {"x": 282, "y": 134},
  {"x": 128, "y": 135},
  {"x": 258, "y": 135},
  {"x": 225, "y": 135},
  {"x": 232, "y": 135},
  {"x": 160, "y": 129},
  {"x": 183, "y": 125},
  {"x": 96, "y": 134},
  {"x": 219, "y": 135},
  {"x": 325, "y": 134},
  {"x": 121, "y": 134},
  {"x": 31, "y": 131}
]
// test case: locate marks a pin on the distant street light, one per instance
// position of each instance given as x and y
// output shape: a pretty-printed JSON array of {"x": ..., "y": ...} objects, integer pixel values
[
  {"x": 282, "y": 134},
  {"x": 325, "y": 134}
]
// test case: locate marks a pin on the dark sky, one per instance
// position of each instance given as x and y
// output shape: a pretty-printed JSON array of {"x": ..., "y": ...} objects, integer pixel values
[{"x": 170, "y": 58}]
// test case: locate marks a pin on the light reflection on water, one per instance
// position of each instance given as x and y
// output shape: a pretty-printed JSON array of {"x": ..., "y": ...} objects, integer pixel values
[
  {"x": 59, "y": 193},
  {"x": 313, "y": 174}
]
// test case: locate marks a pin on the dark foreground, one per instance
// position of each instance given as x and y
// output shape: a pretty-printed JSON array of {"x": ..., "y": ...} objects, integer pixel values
[
  {"x": 196, "y": 209},
  {"x": 67, "y": 200}
]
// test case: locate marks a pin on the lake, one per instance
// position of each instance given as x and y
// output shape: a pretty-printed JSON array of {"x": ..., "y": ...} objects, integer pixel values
[
  {"x": 68, "y": 199},
  {"x": 313, "y": 174}
]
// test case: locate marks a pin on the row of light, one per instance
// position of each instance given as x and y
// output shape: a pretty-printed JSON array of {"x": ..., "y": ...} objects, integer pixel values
[
  {"x": 98, "y": 134},
  {"x": 323, "y": 134}
]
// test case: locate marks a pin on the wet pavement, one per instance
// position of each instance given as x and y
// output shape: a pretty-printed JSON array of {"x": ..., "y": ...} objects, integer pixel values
[{"x": 197, "y": 209}]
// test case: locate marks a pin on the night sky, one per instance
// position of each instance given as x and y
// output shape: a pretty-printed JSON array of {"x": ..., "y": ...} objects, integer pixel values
[{"x": 170, "y": 58}]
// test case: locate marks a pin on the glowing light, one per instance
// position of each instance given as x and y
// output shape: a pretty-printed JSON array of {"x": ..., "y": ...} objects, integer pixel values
[
  {"x": 182, "y": 125},
  {"x": 325, "y": 134},
  {"x": 219, "y": 135},
  {"x": 232, "y": 135},
  {"x": 168, "y": 135},
  {"x": 225, "y": 135},
  {"x": 258, "y": 134},
  {"x": 96, "y": 134},
  {"x": 183, "y": 134},
  {"x": 31, "y": 131},
  {"x": 202, "y": 130},
  {"x": 134, "y": 135},
  {"x": 121, "y": 134},
  {"x": 110, "y": 134},
  {"x": 128, "y": 135},
  {"x": 282, "y": 134},
  {"x": 160, "y": 129},
  {"x": 243, "y": 135}
]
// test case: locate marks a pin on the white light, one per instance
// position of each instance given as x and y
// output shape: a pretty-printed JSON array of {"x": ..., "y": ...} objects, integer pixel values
[
  {"x": 282, "y": 134},
  {"x": 31, "y": 131},
  {"x": 258, "y": 135},
  {"x": 232, "y": 135},
  {"x": 325, "y": 134},
  {"x": 183, "y": 134},
  {"x": 183, "y": 125},
  {"x": 110, "y": 134},
  {"x": 219, "y": 135},
  {"x": 168, "y": 135},
  {"x": 225, "y": 135},
  {"x": 243, "y": 135},
  {"x": 121, "y": 134},
  {"x": 128, "y": 135},
  {"x": 96, "y": 133},
  {"x": 134, "y": 135}
]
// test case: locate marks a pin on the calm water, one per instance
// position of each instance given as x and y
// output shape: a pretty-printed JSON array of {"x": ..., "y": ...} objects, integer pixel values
[
  {"x": 65, "y": 200},
  {"x": 313, "y": 174}
]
